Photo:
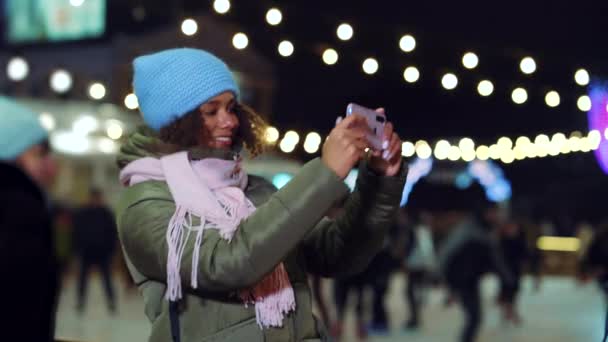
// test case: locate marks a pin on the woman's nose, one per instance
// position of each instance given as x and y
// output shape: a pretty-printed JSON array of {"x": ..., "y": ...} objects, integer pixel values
[{"x": 228, "y": 119}]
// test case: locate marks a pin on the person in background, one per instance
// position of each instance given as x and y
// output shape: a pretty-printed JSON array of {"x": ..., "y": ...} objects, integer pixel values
[
  {"x": 382, "y": 267},
  {"x": 27, "y": 259},
  {"x": 465, "y": 250},
  {"x": 594, "y": 263},
  {"x": 532, "y": 232},
  {"x": 62, "y": 226},
  {"x": 316, "y": 282},
  {"x": 421, "y": 267},
  {"x": 95, "y": 241},
  {"x": 584, "y": 233},
  {"x": 343, "y": 286},
  {"x": 512, "y": 243}
]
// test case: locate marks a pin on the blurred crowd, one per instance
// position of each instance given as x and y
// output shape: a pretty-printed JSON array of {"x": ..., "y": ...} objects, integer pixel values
[{"x": 449, "y": 238}]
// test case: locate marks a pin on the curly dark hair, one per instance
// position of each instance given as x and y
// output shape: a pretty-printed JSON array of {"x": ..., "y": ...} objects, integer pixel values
[{"x": 251, "y": 133}]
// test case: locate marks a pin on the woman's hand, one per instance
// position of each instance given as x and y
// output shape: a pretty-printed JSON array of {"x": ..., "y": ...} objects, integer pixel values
[
  {"x": 346, "y": 145},
  {"x": 388, "y": 161}
]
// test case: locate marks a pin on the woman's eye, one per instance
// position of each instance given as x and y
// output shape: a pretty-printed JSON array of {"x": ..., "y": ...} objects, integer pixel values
[{"x": 210, "y": 113}]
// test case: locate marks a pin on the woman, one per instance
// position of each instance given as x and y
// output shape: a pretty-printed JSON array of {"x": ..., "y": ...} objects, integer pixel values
[
  {"x": 27, "y": 257},
  {"x": 228, "y": 251}
]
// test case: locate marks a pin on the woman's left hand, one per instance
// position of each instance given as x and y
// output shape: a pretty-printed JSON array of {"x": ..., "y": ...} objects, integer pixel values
[{"x": 388, "y": 161}]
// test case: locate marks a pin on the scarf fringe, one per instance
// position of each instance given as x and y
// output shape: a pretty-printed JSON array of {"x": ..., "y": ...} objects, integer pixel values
[
  {"x": 195, "y": 255},
  {"x": 273, "y": 298},
  {"x": 176, "y": 242}
]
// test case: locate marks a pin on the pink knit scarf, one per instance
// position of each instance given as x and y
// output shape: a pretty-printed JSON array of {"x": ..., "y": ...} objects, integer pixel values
[{"x": 212, "y": 190}]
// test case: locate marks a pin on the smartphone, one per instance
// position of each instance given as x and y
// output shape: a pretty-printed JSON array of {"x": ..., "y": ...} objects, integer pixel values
[{"x": 375, "y": 121}]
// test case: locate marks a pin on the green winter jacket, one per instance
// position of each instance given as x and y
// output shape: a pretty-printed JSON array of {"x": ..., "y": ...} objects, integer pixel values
[{"x": 288, "y": 226}]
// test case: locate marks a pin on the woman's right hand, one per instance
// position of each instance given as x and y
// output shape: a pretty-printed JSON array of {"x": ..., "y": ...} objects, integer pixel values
[{"x": 345, "y": 145}]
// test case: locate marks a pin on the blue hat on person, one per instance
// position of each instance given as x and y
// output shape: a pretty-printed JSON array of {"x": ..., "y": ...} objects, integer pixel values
[
  {"x": 20, "y": 129},
  {"x": 170, "y": 83}
]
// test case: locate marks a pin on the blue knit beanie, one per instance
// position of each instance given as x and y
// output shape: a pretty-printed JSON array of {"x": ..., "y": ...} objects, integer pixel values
[
  {"x": 170, "y": 83},
  {"x": 19, "y": 129}
]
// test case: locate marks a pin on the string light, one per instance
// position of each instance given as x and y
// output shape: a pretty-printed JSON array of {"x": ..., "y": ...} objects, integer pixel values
[
  {"x": 330, "y": 56},
  {"x": 423, "y": 150},
  {"x": 574, "y": 143},
  {"x": 581, "y": 77},
  {"x": 519, "y": 152},
  {"x": 559, "y": 140},
  {"x": 17, "y": 69},
  {"x": 221, "y": 6},
  {"x": 189, "y": 27},
  {"x": 285, "y": 48},
  {"x": 312, "y": 142},
  {"x": 542, "y": 143},
  {"x": 442, "y": 150},
  {"x": 504, "y": 149},
  {"x": 454, "y": 154},
  {"x": 407, "y": 43},
  {"x": 61, "y": 81},
  {"x": 97, "y": 91},
  {"x": 131, "y": 101},
  {"x": 522, "y": 141},
  {"x": 240, "y": 41},
  {"x": 370, "y": 66},
  {"x": 482, "y": 152},
  {"x": 289, "y": 142},
  {"x": 466, "y": 144},
  {"x": 449, "y": 81},
  {"x": 507, "y": 156},
  {"x": 585, "y": 144},
  {"x": 411, "y": 74},
  {"x": 552, "y": 99},
  {"x": 344, "y": 31},
  {"x": 505, "y": 143},
  {"x": 527, "y": 65},
  {"x": 584, "y": 103},
  {"x": 466, "y": 149},
  {"x": 407, "y": 149},
  {"x": 271, "y": 135},
  {"x": 485, "y": 88},
  {"x": 274, "y": 16},
  {"x": 114, "y": 129},
  {"x": 468, "y": 155},
  {"x": 292, "y": 138},
  {"x": 595, "y": 138},
  {"x": 470, "y": 60},
  {"x": 531, "y": 151},
  {"x": 554, "y": 148},
  {"x": 519, "y": 95},
  {"x": 286, "y": 147},
  {"x": 495, "y": 151}
]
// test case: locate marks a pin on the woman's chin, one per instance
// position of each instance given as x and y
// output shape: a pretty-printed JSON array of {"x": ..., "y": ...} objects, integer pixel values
[{"x": 220, "y": 146}]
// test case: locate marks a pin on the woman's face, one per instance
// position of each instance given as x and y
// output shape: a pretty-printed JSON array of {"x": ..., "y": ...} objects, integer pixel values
[{"x": 220, "y": 122}]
